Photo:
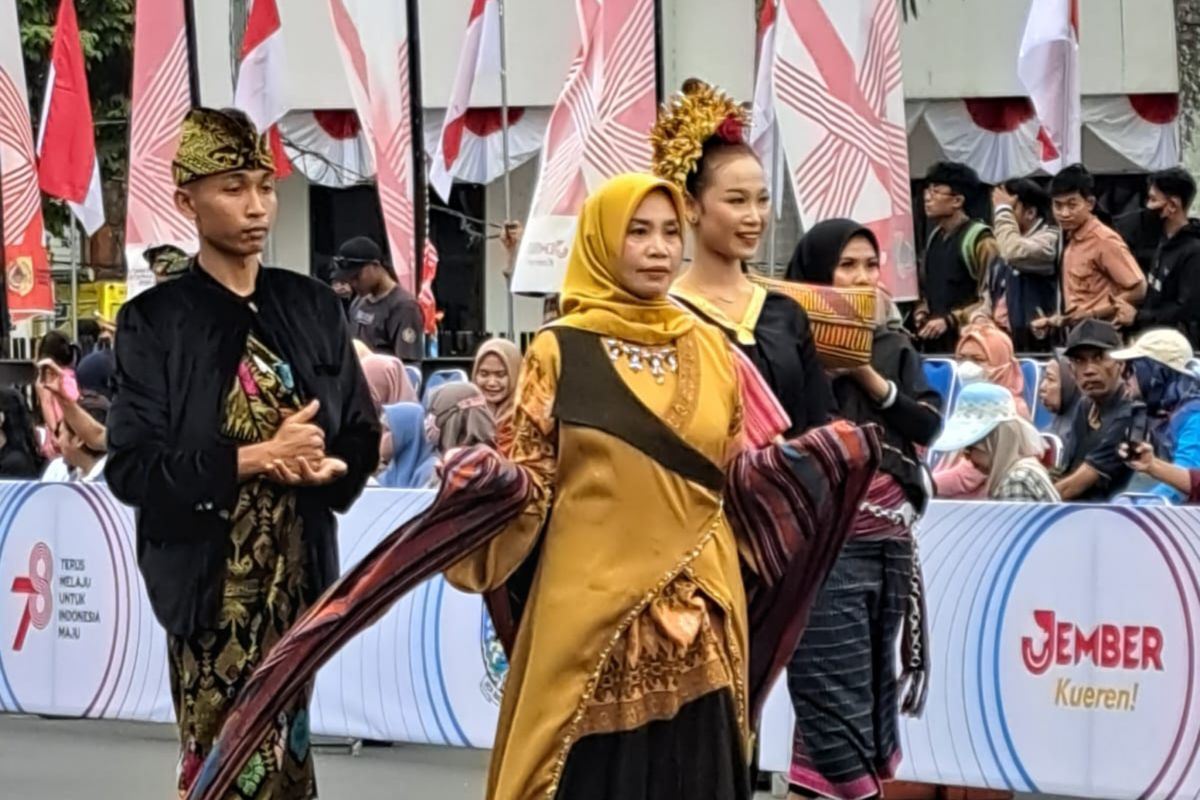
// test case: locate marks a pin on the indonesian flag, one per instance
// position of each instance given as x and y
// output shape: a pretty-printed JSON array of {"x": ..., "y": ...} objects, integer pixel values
[
  {"x": 425, "y": 298},
  {"x": 159, "y": 101},
  {"x": 22, "y": 251},
  {"x": 1049, "y": 69},
  {"x": 67, "y": 164},
  {"x": 843, "y": 125},
  {"x": 373, "y": 40},
  {"x": 259, "y": 89},
  {"x": 764, "y": 133},
  {"x": 600, "y": 127},
  {"x": 480, "y": 57}
]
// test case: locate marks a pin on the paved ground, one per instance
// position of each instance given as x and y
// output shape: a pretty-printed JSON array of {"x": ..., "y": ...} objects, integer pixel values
[{"x": 74, "y": 760}]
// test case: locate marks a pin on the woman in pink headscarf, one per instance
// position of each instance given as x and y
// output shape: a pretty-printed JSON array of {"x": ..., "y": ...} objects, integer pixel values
[
  {"x": 984, "y": 354},
  {"x": 389, "y": 385},
  {"x": 991, "y": 350}
]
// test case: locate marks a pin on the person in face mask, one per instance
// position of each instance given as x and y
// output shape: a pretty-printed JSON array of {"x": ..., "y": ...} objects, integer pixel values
[
  {"x": 1173, "y": 291},
  {"x": 984, "y": 355}
]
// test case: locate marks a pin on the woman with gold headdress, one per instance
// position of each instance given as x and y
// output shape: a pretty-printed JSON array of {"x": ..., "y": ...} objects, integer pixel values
[
  {"x": 635, "y": 665},
  {"x": 700, "y": 146}
]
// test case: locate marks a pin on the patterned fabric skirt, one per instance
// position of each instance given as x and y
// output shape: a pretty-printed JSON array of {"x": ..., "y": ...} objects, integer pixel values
[
  {"x": 208, "y": 669},
  {"x": 842, "y": 678},
  {"x": 694, "y": 755}
]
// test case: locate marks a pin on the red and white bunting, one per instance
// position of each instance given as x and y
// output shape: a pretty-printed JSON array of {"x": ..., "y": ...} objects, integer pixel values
[
  {"x": 840, "y": 103},
  {"x": 1143, "y": 128},
  {"x": 373, "y": 41},
  {"x": 481, "y": 151},
  {"x": 260, "y": 84},
  {"x": 67, "y": 165},
  {"x": 997, "y": 137},
  {"x": 599, "y": 128},
  {"x": 23, "y": 251},
  {"x": 1048, "y": 66}
]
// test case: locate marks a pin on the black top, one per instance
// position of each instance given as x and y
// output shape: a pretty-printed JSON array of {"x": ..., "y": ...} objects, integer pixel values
[
  {"x": 948, "y": 284},
  {"x": 914, "y": 419},
  {"x": 784, "y": 353},
  {"x": 393, "y": 324},
  {"x": 1173, "y": 285},
  {"x": 1097, "y": 446},
  {"x": 178, "y": 346}
]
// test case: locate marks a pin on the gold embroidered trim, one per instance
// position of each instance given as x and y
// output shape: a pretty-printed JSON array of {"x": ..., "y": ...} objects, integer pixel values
[
  {"x": 683, "y": 404},
  {"x": 589, "y": 690}
]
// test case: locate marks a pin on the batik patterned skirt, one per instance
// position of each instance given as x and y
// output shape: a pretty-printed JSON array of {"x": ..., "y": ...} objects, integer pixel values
[{"x": 263, "y": 597}]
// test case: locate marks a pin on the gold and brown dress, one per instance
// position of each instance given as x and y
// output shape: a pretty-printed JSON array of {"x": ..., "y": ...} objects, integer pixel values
[
  {"x": 263, "y": 597},
  {"x": 628, "y": 672}
]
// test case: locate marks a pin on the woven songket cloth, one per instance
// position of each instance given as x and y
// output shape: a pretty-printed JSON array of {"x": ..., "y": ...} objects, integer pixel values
[{"x": 215, "y": 142}]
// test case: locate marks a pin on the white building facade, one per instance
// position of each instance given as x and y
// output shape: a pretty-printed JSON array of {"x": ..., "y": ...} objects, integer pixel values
[{"x": 954, "y": 49}]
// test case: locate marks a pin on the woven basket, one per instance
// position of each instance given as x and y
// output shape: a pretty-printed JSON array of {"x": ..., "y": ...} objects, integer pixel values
[{"x": 843, "y": 320}]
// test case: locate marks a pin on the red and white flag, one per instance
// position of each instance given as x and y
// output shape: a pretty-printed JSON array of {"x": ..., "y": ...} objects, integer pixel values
[
  {"x": 160, "y": 100},
  {"x": 23, "y": 251},
  {"x": 600, "y": 127},
  {"x": 1048, "y": 67},
  {"x": 479, "y": 59},
  {"x": 67, "y": 164},
  {"x": 764, "y": 128},
  {"x": 260, "y": 84},
  {"x": 425, "y": 298},
  {"x": 842, "y": 122},
  {"x": 373, "y": 40}
]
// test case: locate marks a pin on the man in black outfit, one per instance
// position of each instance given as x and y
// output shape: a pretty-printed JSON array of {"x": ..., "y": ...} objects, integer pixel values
[
  {"x": 383, "y": 316},
  {"x": 958, "y": 256},
  {"x": 241, "y": 423},
  {"x": 1096, "y": 470},
  {"x": 1173, "y": 280}
]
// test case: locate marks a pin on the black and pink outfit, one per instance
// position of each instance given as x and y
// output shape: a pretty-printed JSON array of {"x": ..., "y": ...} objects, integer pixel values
[{"x": 842, "y": 678}]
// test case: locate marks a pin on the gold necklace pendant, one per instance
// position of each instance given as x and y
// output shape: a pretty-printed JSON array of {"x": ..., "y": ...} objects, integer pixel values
[{"x": 657, "y": 360}]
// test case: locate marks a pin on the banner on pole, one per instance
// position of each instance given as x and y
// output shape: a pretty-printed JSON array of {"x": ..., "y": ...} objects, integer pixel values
[
  {"x": 599, "y": 128},
  {"x": 160, "y": 100},
  {"x": 840, "y": 107},
  {"x": 373, "y": 40},
  {"x": 26, "y": 266}
]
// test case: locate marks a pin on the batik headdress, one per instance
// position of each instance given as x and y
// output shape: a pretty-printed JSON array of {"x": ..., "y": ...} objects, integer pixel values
[
  {"x": 686, "y": 123},
  {"x": 214, "y": 142}
]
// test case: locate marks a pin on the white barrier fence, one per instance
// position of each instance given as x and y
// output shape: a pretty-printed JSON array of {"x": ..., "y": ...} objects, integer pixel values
[{"x": 1064, "y": 642}]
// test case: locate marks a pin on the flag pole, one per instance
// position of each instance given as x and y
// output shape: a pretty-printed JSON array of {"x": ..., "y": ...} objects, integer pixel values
[
  {"x": 776, "y": 197},
  {"x": 74, "y": 239},
  {"x": 5, "y": 339},
  {"x": 420, "y": 172},
  {"x": 508, "y": 295}
]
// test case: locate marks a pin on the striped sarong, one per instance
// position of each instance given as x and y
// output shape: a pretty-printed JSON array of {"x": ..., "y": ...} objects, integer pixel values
[{"x": 842, "y": 678}]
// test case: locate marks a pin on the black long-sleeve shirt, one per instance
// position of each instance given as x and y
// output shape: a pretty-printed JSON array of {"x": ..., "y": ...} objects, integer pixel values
[
  {"x": 1173, "y": 285},
  {"x": 178, "y": 347}
]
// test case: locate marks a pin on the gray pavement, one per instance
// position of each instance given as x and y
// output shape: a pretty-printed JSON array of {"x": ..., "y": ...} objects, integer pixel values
[{"x": 87, "y": 760}]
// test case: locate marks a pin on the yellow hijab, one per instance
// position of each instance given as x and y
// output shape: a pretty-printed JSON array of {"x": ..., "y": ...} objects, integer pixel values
[{"x": 592, "y": 297}]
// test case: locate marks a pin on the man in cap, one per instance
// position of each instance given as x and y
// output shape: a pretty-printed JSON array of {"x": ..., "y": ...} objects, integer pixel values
[
  {"x": 166, "y": 261},
  {"x": 1096, "y": 470},
  {"x": 241, "y": 423},
  {"x": 383, "y": 316}
]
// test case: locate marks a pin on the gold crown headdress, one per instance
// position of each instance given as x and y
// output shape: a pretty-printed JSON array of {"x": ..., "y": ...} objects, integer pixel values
[{"x": 690, "y": 119}]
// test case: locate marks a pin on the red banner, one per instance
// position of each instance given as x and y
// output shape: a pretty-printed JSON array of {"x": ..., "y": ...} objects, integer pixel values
[{"x": 26, "y": 267}]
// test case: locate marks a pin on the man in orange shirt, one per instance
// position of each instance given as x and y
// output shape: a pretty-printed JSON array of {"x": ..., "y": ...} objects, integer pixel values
[{"x": 1097, "y": 268}]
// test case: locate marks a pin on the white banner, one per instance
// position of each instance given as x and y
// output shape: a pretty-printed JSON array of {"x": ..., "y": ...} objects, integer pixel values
[{"x": 1064, "y": 638}]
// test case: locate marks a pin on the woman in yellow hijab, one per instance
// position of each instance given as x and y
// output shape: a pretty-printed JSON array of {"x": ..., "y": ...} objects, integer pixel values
[
  {"x": 629, "y": 667},
  {"x": 632, "y": 634}
]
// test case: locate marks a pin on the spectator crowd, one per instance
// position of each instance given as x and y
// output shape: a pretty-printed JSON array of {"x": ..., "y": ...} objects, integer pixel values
[{"x": 1104, "y": 402}]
